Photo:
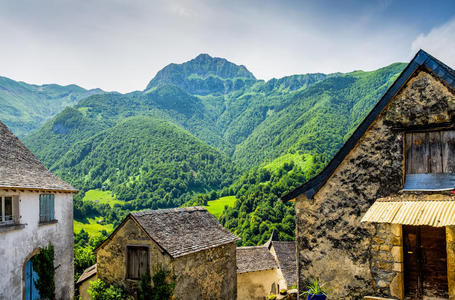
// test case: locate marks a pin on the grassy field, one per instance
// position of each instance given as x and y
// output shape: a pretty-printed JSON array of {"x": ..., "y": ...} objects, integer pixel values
[
  {"x": 216, "y": 207},
  {"x": 92, "y": 227},
  {"x": 304, "y": 161},
  {"x": 101, "y": 197}
]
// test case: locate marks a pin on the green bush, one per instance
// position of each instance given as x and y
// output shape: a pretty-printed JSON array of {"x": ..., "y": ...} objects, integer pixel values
[
  {"x": 43, "y": 264},
  {"x": 163, "y": 286},
  {"x": 99, "y": 290}
]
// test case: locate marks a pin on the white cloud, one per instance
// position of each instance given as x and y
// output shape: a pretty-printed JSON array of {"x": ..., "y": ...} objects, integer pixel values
[{"x": 439, "y": 42}]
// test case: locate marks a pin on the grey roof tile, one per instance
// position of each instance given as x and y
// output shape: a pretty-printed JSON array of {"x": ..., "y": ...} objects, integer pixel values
[
  {"x": 181, "y": 231},
  {"x": 19, "y": 168},
  {"x": 256, "y": 258},
  {"x": 287, "y": 260}
]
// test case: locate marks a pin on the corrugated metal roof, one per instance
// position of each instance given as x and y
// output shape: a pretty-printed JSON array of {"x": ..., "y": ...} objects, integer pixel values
[{"x": 434, "y": 212}]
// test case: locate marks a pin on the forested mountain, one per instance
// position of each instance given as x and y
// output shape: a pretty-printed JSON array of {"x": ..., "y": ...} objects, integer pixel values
[
  {"x": 204, "y": 75},
  {"x": 25, "y": 107},
  {"x": 205, "y": 129}
]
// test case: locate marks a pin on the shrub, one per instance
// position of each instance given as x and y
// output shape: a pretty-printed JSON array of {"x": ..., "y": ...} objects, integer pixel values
[
  {"x": 99, "y": 290},
  {"x": 43, "y": 264}
]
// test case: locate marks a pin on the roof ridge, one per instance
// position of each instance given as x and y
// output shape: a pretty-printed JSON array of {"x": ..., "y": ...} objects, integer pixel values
[{"x": 168, "y": 210}]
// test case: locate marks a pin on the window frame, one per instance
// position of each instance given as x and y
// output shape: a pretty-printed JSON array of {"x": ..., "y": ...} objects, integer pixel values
[
  {"x": 428, "y": 177},
  {"x": 14, "y": 217},
  {"x": 46, "y": 208}
]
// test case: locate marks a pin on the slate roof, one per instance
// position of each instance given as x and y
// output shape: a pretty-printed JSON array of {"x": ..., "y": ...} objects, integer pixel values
[
  {"x": 88, "y": 273},
  {"x": 421, "y": 60},
  {"x": 256, "y": 258},
  {"x": 19, "y": 168},
  {"x": 181, "y": 231},
  {"x": 287, "y": 260}
]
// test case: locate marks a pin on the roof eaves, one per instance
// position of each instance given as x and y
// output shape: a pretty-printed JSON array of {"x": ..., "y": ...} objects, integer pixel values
[{"x": 311, "y": 187}]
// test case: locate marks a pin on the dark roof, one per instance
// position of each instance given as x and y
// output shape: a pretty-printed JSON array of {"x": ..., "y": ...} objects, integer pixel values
[
  {"x": 287, "y": 260},
  {"x": 256, "y": 258},
  {"x": 181, "y": 231},
  {"x": 89, "y": 272},
  {"x": 421, "y": 60},
  {"x": 19, "y": 168}
]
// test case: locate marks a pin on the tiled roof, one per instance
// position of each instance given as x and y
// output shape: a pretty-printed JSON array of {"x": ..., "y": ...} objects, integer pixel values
[
  {"x": 19, "y": 168},
  {"x": 287, "y": 260},
  {"x": 257, "y": 258},
  {"x": 89, "y": 272},
  {"x": 181, "y": 231}
]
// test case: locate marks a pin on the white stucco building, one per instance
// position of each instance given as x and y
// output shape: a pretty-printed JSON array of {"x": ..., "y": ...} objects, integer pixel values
[{"x": 36, "y": 210}]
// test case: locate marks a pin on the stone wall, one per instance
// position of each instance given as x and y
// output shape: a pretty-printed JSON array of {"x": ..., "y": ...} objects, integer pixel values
[
  {"x": 111, "y": 259},
  {"x": 387, "y": 260},
  {"x": 209, "y": 274},
  {"x": 332, "y": 243}
]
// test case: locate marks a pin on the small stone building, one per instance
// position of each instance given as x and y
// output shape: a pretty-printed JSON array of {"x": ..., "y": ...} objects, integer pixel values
[
  {"x": 379, "y": 219},
  {"x": 36, "y": 210},
  {"x": 189, "y": 242},
  {"x": 284, "y": 253},
  {"x": 257, "y": 275},
  {"x": 83, "y": 283},
  {"x": 265, "y": 270}
]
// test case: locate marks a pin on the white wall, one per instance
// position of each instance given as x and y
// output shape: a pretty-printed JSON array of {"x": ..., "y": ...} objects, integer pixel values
[{"x": 17, "y": 246}]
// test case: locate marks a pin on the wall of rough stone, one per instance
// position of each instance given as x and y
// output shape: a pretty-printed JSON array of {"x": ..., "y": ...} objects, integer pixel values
[
  {"x": 332, "y": 243},
  {"x": 111, "y": 258},
  {"x": 209, "y": 274}
]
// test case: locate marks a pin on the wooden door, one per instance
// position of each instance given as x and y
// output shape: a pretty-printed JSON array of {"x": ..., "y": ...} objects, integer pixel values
[
  {"x": 425, "y": 262},
  {"x": 137, "y": 261},
  {"x": 31, "y": 293}
]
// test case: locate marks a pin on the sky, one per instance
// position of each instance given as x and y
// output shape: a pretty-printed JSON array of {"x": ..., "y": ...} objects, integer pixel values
[{"x": 119, "y": 45}]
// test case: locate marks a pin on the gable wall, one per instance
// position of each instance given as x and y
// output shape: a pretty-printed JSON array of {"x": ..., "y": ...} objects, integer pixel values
[
  {"x": 209, "y": 274},
  {"x": 111, "y": 259},
  {"x": 332, "y": 244}
]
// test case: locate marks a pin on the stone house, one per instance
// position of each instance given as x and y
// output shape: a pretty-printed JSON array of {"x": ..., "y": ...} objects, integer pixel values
[
  {"x": 257, "y": 275},
  {"x": 189, "y": 242},
  {"x": 284, "y": 253},
  {"x": 379, "y": 219},
  {"x": 265, "y": 270},
  {"x": 36, "y": 210}
]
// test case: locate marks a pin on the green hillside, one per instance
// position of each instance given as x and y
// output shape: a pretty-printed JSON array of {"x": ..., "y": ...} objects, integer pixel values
[
  {"x": 194, "y": 136},
  {"x": 25, "y": 107}
]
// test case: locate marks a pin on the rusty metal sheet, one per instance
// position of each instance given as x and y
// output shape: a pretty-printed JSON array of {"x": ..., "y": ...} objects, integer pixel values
[{"x": 431, "y": 213}]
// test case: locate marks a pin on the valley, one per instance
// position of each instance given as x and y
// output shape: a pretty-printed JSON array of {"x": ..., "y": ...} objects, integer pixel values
[{"x": 205, "y": 132}]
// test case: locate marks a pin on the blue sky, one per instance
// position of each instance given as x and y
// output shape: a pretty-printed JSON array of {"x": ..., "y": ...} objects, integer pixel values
[{"x": 121, "y": 44}]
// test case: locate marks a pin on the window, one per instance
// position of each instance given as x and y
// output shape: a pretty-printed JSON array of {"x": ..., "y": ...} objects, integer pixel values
[
  {"x": 430, "y": 160},
  {"x": 9, "y": 209},
  {"x": 46, "y": 207},
  {"x": 137, "y": 262}
]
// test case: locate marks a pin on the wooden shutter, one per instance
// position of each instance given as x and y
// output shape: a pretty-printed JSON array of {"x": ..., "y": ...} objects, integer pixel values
[
  {"x": 430, "y": 160},
  {"x": 137, "y": 261},
  {"x": 51, "y": 206},
  {"x": 430, "y": 152},
  {"x": 16, "y": 214},
  {"x": 46, "y": 207}
]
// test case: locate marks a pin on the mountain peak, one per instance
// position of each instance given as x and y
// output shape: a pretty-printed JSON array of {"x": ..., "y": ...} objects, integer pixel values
[
  {"x": 203, "y": 75},
  {"x": 202, "y": 56}
]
